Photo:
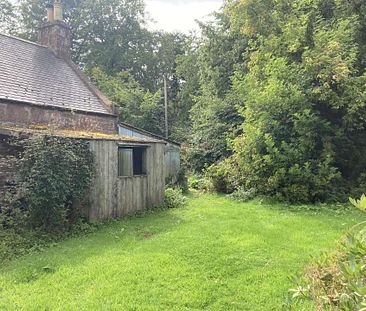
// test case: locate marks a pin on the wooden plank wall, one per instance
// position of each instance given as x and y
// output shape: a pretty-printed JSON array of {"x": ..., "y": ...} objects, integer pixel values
[
  {"x": 172, "y": 163},
  {"x": 113, "y": 196}
]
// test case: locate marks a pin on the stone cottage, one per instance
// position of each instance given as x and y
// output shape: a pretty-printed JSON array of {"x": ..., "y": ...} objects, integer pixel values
[{"x": 43, "y": 92}]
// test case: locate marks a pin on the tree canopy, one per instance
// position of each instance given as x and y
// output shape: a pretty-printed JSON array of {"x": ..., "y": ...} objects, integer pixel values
[
  {"x": 304, "y": 92},
  {"x": 281, "y": 91},
  {"x": 271, "y": 93}
]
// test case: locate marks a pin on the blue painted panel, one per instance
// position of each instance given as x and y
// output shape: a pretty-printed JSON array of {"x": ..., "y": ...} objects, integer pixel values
[{"x": 128, "y": 132}]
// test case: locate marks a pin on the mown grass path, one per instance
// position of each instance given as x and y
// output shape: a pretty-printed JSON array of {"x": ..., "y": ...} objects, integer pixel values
[{"x": 214, "y": 254}]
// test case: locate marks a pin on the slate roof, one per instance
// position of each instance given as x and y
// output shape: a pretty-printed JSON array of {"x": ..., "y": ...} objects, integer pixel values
[{"x": 31, "y": 73}]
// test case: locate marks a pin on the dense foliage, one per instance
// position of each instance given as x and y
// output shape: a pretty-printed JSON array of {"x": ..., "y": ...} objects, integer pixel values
[
  {"x": 136, "y": 105},
  {"x": 294, "y": 77},
  {"x": 54, "y": 175},
  {"x": 46, "y": 203},
  {"x": 281, "y": 86},
  {"x": 7, "y": 16},
  {"x": 304, "y": 93},
  {"x": 214, "y": 116}
]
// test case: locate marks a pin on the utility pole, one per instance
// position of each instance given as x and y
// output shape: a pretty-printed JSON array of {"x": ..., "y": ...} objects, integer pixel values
[{"x": 166, "y": 107}]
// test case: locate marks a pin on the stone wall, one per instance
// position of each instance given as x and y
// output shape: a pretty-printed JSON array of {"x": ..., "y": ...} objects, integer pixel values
[
  {"x": 25, "y": 115},
  {"x": 8, "y": 167},
  {"x": 56, "y": 36}
]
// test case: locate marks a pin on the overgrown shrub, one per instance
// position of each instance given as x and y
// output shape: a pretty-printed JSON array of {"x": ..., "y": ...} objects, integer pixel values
[
  {"x": 337, "y": 281},
  {"x": 295, "y": 163},
  {"x": 174, "y": 198},
  {"x": 219, "y": 174},
  {"x": 224, "y": 175},
  {"x": 12, "y": 217},
  {"x": 54, "y": 175},
  {"x": 200, "y": 183},
  {"x": 243, "y": 195},
  {"x": 303, "y": 130}
]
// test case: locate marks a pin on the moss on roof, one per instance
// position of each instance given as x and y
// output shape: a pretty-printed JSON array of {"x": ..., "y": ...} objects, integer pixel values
[{"x": 45, "y": 130}]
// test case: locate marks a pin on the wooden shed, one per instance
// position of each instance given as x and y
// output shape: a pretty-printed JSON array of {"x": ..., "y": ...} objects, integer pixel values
[
  {"x": 129, "y": 176},
  {"x": 129, "y": 172}
]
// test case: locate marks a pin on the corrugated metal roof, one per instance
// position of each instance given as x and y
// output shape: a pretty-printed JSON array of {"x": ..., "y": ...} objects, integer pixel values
[
  {"x": 129, "y": 130},
  {"x": 32, "y": 73}
]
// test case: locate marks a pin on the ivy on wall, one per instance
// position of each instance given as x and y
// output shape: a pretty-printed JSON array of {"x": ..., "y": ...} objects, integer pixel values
[{"x": 54, "y": 177}]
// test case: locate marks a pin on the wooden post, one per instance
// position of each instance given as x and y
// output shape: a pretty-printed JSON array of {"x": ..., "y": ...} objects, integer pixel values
[{"x": 166, "y": 107}]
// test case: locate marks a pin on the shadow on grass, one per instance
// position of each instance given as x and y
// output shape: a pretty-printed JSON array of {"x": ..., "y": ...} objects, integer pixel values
[{"x": 122, "y": 235}]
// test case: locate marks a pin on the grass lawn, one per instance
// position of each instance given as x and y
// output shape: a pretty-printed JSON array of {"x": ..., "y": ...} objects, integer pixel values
[{"x": 214, "y": 254}]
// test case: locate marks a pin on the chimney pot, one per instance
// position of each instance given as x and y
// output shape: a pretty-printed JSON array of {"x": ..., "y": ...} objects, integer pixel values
[
  {"x": 55, "y": 33},
  {"x": 50, "y": 13},
  {"x": 57, "y": 7}
]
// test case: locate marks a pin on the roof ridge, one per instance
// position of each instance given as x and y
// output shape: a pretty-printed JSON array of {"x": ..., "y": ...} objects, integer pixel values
[{"x": 23, "y": 40}]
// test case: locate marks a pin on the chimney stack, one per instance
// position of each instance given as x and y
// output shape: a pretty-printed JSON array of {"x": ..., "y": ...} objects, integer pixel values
[{"x": 55, "y": 33}]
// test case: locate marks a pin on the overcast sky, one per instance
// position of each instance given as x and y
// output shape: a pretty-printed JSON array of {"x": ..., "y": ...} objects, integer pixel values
[{"x": 171, "y": 15}]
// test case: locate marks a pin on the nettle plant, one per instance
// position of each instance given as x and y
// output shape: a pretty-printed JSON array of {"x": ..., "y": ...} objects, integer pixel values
[
  {"x": 55, "y": 174},
  {"x": 337, "y": 281}
]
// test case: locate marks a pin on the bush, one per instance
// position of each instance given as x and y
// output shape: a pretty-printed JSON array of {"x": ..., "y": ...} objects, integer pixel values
[
  {"x": 55, "y": 174},
  {"x": 224, "y": 175},
  {"x": 220, "y": 174},
  {"x": 200, "y": 183},
  {"x": 174, "y": 198},
  {"x": 243, "y": 195},
  {"x": 337, "y": 281}
]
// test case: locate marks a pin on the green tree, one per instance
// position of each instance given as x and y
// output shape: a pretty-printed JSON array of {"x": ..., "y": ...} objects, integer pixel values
[
  {"x": 187, "y": 74},
  {"x": 7, "y": 17},
  {"x": 214, "y": 115},
  {"x": 304, "y": 90},
  {"x": 137, "y": 106}
]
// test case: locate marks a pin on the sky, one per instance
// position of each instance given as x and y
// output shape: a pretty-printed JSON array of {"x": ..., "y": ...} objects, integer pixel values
[{"x": 180, "y": 15}]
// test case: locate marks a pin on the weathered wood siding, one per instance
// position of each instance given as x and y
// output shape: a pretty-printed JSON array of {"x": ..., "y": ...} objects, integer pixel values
[
  {"x": 172, "y": 163},
  {"x": 172, "y": 152},
  {"x": 113, "y": 196}
]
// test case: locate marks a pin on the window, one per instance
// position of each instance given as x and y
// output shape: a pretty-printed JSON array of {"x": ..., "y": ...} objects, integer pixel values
[{"x": 131, "y": 161}]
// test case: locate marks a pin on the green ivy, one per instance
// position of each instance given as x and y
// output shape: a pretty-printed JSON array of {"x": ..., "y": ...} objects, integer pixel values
[{"x": 55, "y": 174}]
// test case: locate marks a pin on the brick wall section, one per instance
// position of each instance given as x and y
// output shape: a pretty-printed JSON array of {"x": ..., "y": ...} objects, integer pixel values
[
  {"x": 8, "y": 168},
  {"x": 24, "y": 115}
]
